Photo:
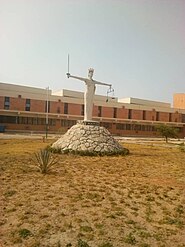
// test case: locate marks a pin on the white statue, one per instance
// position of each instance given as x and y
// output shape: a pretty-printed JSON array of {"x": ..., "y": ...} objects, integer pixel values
[{"x": 89, "y": 93}]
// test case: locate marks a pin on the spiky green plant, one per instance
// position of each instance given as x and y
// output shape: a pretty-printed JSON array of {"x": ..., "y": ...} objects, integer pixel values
[{"x": 45, "y": 160}]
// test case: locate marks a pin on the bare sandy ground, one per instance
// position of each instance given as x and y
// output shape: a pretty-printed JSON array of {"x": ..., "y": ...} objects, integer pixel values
[{"x": 92, "y": 201}]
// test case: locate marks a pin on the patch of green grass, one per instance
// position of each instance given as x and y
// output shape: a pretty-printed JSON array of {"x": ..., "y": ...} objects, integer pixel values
[
  {"x": 179, "y": 209},
  {"x": 10, "y": 193},
  {"x": 82, "y": 243},
  {"x": 149, "y": 212},
  {"x": 24, "y": 233},
  {"x": 159, "y": 236},
  {"x": 86, "y": 229},
  {"x": 130, "y": 239},
  {"x": 174, "y": 221},
  {"x": 144, "y": 234},
  {"x": 130, "y": 222}
]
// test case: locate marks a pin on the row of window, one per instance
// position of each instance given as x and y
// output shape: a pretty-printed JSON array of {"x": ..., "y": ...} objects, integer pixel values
[
  {"x": 66, "y": 111},
  {"x": 26, "y": 120},
  {"x": 68, "y": 123},
  {"x": 35, "y": 121},
  {"x": 136, "y": 127},
  {"x": 7, "y": 104}
]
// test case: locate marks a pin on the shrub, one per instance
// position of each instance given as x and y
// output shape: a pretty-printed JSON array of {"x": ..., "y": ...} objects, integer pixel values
[
  {"x": 82, "y": 243},
  {"x": 45, "y": 160},
  {"x": 130, "y": 239},
  {"x": 24, "y": 233},
  {"x": 167, "y": 131}
]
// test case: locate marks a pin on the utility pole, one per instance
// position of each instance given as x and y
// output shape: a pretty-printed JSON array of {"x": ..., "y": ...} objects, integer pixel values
[{"x": 47, "y": 108}]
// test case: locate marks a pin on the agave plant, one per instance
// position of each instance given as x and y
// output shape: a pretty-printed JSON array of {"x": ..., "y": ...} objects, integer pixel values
[{"x": 45, "y": 160}]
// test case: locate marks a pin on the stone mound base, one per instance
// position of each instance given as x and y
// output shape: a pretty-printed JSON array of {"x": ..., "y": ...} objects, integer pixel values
[{"x": 88, "y": 140}]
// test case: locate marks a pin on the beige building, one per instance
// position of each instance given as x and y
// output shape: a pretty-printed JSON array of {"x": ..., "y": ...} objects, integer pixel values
[
  {"x": 24, "y": 108},
  {"x": 179, "y": 100}
]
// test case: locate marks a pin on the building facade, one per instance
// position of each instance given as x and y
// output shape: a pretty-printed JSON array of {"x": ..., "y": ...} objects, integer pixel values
[
  {"x": 29, "y": 109},
  {"x": 179, "y": 100}
]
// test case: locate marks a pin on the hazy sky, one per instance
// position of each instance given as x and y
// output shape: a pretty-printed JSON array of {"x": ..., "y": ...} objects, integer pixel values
[{"x": 136, "y": 45}]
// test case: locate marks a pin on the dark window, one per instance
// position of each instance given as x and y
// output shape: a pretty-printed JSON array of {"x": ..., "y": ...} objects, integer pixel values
[
  {"x": 183, "y": 118},
  {"x": 144, "y": 115},
  {"x": 99, "y": 111},
  {"x": 120, "y": 126},
  {"x": 82, "y": 110},
  {"x": 27, "y": 107},
  {"x": 129, "y": 114},
  {"x": 67, "y": 123},
  {"x": 115, "y": 113},
  {"x": 128, "y": 127},
  {"x": 65, "y": 108},
  {"x": 137, "y": 127},
  {"x": 157, "y": 116},
  {"x": 52, "y": 122},
  {"x": 41, "y": 121},
  {"x": 7, "y": 103},
  {"x": 19, "y": 96},
  {"x": 8, "y": 119},
  {"x": 170, "y": 117}
]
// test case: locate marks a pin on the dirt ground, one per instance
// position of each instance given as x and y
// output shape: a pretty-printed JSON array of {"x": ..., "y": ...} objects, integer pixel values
[{"x": 92, "y": 201}]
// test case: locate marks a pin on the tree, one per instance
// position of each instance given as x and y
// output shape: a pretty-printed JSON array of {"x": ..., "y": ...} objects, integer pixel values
[{"x": 167, "y": 131}]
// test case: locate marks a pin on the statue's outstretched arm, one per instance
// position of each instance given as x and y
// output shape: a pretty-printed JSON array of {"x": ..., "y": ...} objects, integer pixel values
[
  {"x": 76, "y": 77},
  {"x": 101, "y": 83}
]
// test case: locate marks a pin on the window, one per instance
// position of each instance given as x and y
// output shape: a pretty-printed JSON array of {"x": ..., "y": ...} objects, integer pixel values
[
  {"x": 144, "y": 115},
  {"x": 67, "y": 123},
  {"x": 128, "y": 127},
  {"x": 129, "y": 114},
  {"x": 157, "y": 116},
  {"x": 99, "y": 111},
  {"x": 82, "y": 110},
  {"x": 120, "y": 126},
  {"x": 19, "y": 96},
  {"x": 183, "y": 118},
  {"x": 170, "y": 117},
  {"x": 7, "y": 103},
  {"x": 8, "y": 119},
  {"x": 27, "y": 107},
  {"x": 52, "y": 122},
  {"x": 58, "y": 109},
  {"x": 41, "y": 121},
  {"x": 115, "y": 113},
  {"x": 65, "y": 108}
]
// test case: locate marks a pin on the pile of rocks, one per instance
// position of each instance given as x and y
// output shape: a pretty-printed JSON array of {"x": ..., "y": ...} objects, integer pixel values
[{"x": 88, "y": 139}]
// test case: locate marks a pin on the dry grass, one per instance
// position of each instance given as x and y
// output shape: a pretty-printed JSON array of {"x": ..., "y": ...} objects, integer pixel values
[{"x": 92, "y": 201}]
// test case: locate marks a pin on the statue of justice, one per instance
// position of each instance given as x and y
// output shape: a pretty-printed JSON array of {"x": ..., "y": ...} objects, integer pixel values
[{"x": 90, "y": 91}]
